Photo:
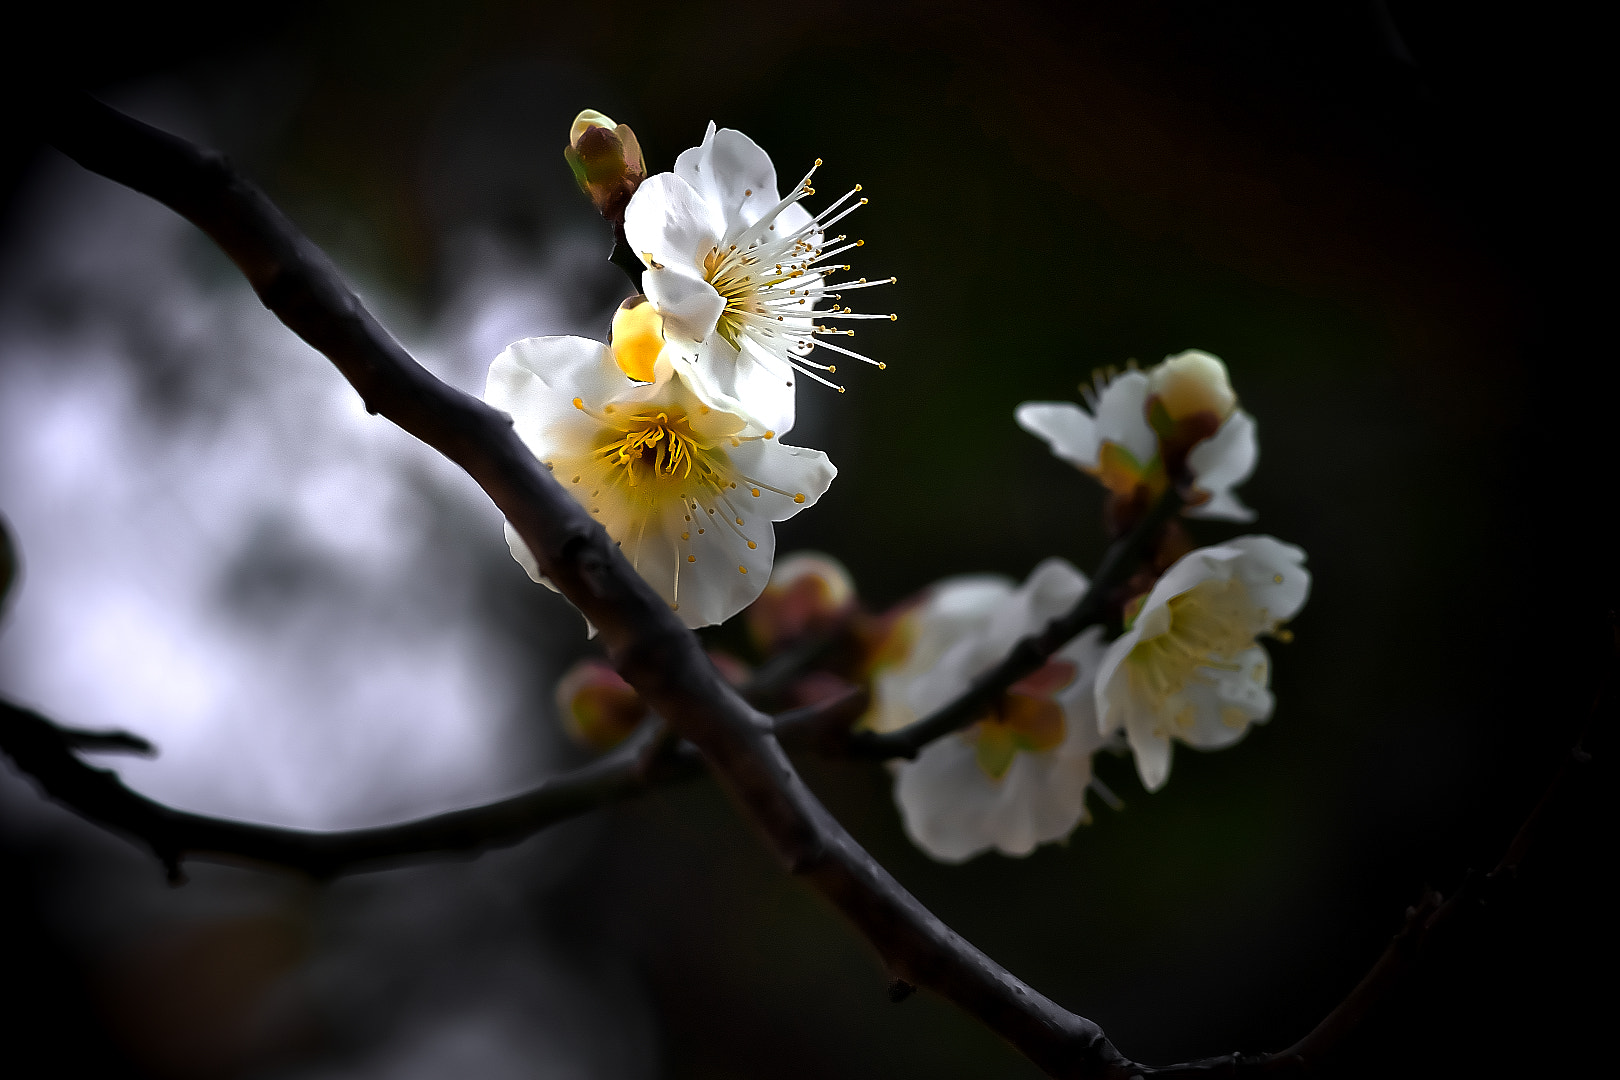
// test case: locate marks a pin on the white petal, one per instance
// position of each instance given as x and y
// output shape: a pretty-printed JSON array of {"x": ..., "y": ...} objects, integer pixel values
[
  {"x": 945, "y": 800},
  {"x": 732, "y": 173},
  {"x": 1150, "y": 745},
  {"x": 1082, "y": 729},
  {"x": 1067, "y": 428},
  {"x": 1274, "y": 574},
  {"x": 689, "y": 305},
  {"x": 754, "y": 385},
  {"x": 525, "y": 558},
  {"x": 668, "y": 222},
  {"x": 1052, "y": 589},
  {"x": 704, "y": 573},
  {"x": 1224, "y": 702},
  {"x": 791, "y": 470},
  {"x": 1112, "y": 694},
  {"x": 1221, "y": 462},
  {"x": 1122, "y": 416}
]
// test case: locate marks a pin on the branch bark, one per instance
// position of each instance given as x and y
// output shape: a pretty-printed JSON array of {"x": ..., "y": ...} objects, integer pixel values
[{"x": 45, "y": 752}]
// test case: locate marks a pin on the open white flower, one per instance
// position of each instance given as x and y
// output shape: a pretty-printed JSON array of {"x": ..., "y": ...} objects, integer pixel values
[
  {"x": 737, "y": 272},
  {"x": 1017, "y": 777},
  {"x": 1180, "y": 416},
  {"x": 1190, "y": 667},
  {"x": 687, "y": 490}
]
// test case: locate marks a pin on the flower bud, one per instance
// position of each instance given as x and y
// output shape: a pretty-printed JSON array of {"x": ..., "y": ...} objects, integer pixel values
[
  {"x": 598, "y": 708},
  {"x": 606, "y": 160},
  {"x": 808, "y": 593},
  {"x": 1191, "y": 387},
  {"x": 638, "y": 338}
]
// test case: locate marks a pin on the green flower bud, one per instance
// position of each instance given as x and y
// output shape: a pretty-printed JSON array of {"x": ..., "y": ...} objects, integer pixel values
[{"x": 606, "y": 160}]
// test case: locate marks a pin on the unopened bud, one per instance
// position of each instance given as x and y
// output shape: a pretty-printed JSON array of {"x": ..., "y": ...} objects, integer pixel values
[
  {"x": 638, "y": 337},
  {"x": 606, "y": 160},
  {"x": 1185, "y": 388},
  {"x": 808, "y": 593},
  {"x": 598, "y": 708}
]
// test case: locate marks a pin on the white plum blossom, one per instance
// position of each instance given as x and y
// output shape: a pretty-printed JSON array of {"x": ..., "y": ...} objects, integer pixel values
[
  {"x": 1017, "y": 777},
  {"x": 1183, "y": 409},
  {"x": 738, "y": 274},
  {"x": 689, "y": 491},
  {"x": 1190, "y": 666}
]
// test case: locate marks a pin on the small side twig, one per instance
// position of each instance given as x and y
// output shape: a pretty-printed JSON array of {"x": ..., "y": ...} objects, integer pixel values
[{"x": 46, "y": 753}]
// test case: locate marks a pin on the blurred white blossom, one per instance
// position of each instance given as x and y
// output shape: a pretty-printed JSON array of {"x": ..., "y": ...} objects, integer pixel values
[
  {"x": 1018, "y": 776},
  {"x": 1190, "y": 666}
]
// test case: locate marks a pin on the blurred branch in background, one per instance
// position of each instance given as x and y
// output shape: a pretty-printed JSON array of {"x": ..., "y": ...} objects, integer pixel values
[{"x": 660, "y": 658}]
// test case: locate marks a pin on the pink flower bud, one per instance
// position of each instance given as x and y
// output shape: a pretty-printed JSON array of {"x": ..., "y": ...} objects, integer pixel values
[{"x": 598, "y": 708}]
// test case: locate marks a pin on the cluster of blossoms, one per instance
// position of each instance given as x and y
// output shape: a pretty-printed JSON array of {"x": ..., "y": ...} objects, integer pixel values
[{"x": 669, "y": 434}]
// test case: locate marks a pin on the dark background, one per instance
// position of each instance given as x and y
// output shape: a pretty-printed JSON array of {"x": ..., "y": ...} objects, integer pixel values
[{"x": 1387, "y": 220}]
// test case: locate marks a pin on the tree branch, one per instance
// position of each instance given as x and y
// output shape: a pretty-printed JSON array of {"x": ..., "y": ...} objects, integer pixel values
[{"x": 45, "y": 752}]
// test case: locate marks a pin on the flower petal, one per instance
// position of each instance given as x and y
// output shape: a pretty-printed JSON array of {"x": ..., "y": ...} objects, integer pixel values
[
  {"x": 1122, "y": 416},
  {"x": 1225, "y": 702},
  {"x": 689, "y": 305},
  {"x": 668, "y": 222},
  {"x": 1274, "y": 574},
  {"x": 750, "y": 382},
  {"x": 733, "y": 175},
  {"x": 1221, "y": 462},
  {"x": 1067, "y": 428}
]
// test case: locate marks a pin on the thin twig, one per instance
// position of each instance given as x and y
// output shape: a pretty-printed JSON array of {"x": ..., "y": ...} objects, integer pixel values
[{"x": 45, "y": 752}]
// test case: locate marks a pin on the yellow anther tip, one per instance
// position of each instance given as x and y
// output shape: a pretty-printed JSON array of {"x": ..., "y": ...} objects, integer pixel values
[
  {"x": 882, "y": 366},
  {"x": 691, "y": 558},
  {"x": 742, "y": 569},
  {"x": 752, "y": 545},
  {"x": 579, "y": 403},
  {"x": 798, "y": 496}
]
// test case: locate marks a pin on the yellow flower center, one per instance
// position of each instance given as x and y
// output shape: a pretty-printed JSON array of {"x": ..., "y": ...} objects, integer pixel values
[
  {"x": 1209, "y": 625},
  {"x": 659, "y": 446}
]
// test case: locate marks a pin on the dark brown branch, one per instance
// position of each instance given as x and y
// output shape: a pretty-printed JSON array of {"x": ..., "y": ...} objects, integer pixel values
[
  {"x": 45, "y": 752},
  {"x": 1118, "y": 563}
]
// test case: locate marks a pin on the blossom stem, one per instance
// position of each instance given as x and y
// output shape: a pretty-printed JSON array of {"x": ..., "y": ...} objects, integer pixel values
[{"x": 1116, "y": 567}]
